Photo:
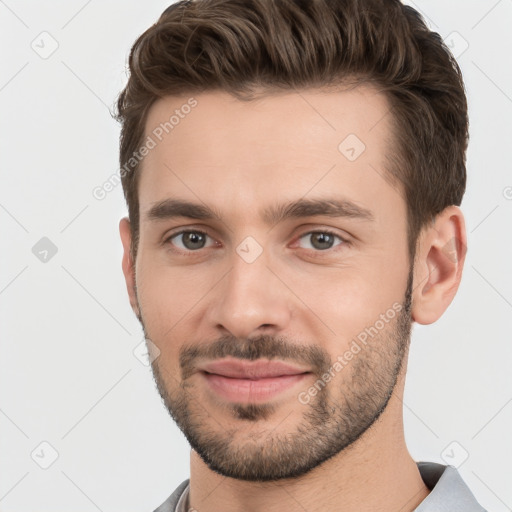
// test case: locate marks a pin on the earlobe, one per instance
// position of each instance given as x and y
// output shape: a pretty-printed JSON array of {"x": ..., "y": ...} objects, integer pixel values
[
  {"x": 439, "y": 262},
  {"x": 128, "y": 264}
]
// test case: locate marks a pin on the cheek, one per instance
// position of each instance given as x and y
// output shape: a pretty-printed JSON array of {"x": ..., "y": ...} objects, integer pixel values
[
  {"x": 170, "y": 296},
  {"x": 158, "y": 296},
  {"x": 161, "y": 314},
  {"x": 352, "y": 298}
]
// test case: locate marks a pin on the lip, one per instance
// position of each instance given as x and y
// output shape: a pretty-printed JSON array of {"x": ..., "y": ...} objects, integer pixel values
[
  {"x": 251, "y": 381},
  {"x": 260, "y": 369},
  {"x": 250, "y": 390}
]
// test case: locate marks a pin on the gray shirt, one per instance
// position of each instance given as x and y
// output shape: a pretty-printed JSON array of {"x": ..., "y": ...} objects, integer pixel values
[{"x": 448, "y": 492}]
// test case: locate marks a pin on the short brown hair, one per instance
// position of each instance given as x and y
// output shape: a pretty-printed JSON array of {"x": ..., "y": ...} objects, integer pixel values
[{"x": 240, "y": 46}]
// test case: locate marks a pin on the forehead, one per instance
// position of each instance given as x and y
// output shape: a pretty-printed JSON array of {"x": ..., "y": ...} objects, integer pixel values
[{"x": 212, "y": 146}]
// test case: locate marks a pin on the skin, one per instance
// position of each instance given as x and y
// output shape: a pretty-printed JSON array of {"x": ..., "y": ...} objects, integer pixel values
[{"x": 239, "y": 158}]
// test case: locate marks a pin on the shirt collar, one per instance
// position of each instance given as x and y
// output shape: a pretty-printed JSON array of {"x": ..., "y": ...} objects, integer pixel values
[{"x": 447, "y": 490}]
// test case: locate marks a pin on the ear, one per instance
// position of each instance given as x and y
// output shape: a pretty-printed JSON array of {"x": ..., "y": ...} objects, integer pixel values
[
  {"x": 440, "y": 256},
  {"x": 128, "y": 264}
]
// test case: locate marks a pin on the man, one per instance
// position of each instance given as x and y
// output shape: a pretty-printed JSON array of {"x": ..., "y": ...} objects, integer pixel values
[{"x": 293, "y": 173}]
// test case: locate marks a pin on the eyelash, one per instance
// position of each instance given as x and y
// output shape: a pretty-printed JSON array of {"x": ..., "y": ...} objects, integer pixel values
[{"x": 344, "y": 241}]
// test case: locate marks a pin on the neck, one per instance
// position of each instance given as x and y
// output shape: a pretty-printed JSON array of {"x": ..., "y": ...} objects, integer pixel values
[{"x": 376, "y": 473}]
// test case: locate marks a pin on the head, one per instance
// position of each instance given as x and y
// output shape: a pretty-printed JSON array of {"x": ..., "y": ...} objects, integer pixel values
[{"x": 293, "y": 172}]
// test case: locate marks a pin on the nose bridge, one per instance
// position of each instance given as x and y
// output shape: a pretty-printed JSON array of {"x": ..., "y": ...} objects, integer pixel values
[{"x": 250, "y": 296}]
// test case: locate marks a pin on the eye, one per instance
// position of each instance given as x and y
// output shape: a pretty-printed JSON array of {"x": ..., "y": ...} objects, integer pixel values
[
  {"x": 321, "y": 240},
  {"x": 189, "y": 240}
]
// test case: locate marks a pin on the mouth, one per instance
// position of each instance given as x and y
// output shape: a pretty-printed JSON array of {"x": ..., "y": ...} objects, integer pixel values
[
  {"x": 251, "y": 381},
  {"x": 252, "y": 370}
]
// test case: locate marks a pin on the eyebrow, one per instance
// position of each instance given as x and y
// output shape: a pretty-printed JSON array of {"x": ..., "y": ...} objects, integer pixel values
[{"x": 171, "y": 208}]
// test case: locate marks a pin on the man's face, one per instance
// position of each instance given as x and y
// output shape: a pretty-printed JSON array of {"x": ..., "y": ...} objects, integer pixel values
[{"x": 259, "y": 283}]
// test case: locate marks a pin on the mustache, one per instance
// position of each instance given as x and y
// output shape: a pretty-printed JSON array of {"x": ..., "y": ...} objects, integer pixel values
[{"x": 261, "y": 347}]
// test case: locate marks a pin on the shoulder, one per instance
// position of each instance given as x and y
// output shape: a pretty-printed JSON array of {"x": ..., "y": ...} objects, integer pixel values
[{"x": 169, "y": 505}]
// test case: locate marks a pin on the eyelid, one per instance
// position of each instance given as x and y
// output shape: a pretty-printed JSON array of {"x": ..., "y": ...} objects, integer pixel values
[
  {"x": 178, "y": 230},
  {"x": 172, "y": 234}
]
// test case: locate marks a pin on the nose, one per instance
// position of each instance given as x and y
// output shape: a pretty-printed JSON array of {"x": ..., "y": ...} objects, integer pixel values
[{"x": 250, "y": 300}]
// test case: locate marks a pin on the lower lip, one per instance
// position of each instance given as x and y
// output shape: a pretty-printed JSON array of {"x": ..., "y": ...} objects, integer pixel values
[{"x": 247, "y": 390}]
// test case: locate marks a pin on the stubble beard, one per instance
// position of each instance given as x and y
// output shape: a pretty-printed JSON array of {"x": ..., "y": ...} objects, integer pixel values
[{"x": 331, "y": 422}]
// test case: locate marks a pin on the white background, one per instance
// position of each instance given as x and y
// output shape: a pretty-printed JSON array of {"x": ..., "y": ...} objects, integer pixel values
[{"x": 68, "y": 375}]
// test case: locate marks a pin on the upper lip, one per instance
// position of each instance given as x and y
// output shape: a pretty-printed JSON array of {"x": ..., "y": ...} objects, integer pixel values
[{"x": 259, "y": 369}]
